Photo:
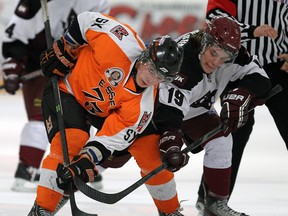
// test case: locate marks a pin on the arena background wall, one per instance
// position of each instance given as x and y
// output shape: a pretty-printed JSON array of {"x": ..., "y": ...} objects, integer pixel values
[{"x": 149, "y": 18}]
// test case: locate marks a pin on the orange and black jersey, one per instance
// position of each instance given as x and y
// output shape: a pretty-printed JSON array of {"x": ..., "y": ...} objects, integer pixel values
[{"x": 101, "y": 80}]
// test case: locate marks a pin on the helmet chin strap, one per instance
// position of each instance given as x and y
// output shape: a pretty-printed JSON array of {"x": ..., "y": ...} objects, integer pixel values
[
  {"x": 201, "y": 52},
  {"x": 134, "y": 74}
]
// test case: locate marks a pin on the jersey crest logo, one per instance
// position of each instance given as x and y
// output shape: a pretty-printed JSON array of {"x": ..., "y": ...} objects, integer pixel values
[
  {"x": 143, "y": 121},
  {"x": 119, "y": 31},
  {"x": 114, "y": 76},
  {"x": 206, "y": 101}
]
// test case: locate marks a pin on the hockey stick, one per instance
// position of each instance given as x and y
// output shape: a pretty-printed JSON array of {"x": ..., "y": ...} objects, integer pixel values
[
  {"x": 26, "y": 77},
  {"x": 31, "y": 75},
  {"x": 113, "y": 198},
  {"x": 59, "y": 110}
]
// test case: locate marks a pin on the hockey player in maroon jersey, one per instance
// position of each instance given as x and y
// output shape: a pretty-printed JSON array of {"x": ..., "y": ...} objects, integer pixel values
[{"x": 213, "y": 58}]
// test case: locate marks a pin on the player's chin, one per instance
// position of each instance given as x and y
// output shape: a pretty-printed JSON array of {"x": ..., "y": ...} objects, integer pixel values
[
  {"x": 207, "y": 68},
  {"x": 143, "y": 84}
]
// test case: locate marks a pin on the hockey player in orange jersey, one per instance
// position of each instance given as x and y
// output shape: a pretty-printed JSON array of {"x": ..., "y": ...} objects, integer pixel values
[{"x": 106, "y": 78}]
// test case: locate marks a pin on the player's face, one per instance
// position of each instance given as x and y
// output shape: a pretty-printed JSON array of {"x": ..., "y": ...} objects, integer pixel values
[
  {"x": 212, "y": 58},
  {"x": 147, "y": 75}
]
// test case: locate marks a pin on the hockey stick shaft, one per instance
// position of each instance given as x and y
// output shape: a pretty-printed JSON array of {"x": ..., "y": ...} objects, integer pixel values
[
  {"x": 31, "y": 75},
  {"x": 46, "y": 20},
  {"x": 113, "y": 198},
  {"x": 27, "y": 77},
  {"x": 59, "y": 110},
  {"x": 57, "y": 98}
]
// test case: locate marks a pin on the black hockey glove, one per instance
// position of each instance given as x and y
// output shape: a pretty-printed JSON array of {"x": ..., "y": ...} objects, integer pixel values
[
  {"x": 235, "y": 109},
  {"x": 58, "y": 60},
  {"x": 81, "y": 166},
  {"x": 170, "y": 149},
  {"x": 12, "y": 70}
]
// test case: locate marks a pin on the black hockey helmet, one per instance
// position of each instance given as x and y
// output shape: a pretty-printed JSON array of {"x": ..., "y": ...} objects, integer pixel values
[{"x": 165, "y": 55}]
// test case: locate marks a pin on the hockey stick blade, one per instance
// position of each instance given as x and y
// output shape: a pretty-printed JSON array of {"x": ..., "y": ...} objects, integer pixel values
[
  {"x": 75, "y": 210},
  {"x": 113, "y": 198}
]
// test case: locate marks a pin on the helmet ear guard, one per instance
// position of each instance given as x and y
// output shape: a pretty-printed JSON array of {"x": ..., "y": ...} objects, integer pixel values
[{"x": 165, "y": 54}]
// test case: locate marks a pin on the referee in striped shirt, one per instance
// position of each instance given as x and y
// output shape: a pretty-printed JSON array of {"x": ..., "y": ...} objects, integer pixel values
[{"x": 264, "y": 32}]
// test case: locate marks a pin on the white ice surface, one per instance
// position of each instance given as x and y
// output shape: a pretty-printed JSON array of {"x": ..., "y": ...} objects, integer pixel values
[{"x": 261, "y": 189}]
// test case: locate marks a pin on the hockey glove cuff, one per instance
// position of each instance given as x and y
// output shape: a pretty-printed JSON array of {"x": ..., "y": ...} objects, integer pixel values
[
  {"x": 58, "y": 60},
  {"x": 170, "y": 149}
]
